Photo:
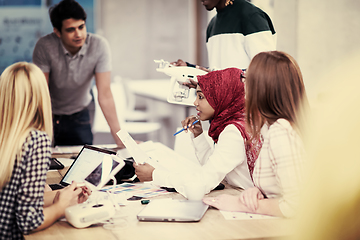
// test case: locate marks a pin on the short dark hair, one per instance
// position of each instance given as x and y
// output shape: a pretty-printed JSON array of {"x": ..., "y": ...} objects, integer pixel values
[{"x": 64, "y": 10}]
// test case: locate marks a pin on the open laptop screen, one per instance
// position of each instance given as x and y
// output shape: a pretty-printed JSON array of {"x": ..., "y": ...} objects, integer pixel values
[
  {"x": 101, "y": 172},
  {"x": 87, "y": 160}
]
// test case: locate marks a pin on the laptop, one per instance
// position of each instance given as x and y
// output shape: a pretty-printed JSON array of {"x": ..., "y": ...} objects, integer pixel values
[
  {"x": 173, "y": 210},
  {"x": 94, "y": 166}
]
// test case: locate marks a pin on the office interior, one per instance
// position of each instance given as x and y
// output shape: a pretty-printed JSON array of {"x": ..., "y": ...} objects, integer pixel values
[{"x": 321, "y": 35}]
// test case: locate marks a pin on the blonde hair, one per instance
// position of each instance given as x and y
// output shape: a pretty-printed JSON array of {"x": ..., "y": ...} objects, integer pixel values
[
  {"x": 330, "y": 203},
  {"x": 24, "y": 105}
]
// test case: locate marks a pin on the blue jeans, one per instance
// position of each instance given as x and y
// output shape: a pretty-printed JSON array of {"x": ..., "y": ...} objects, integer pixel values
[{"x": 72, "y": 129}]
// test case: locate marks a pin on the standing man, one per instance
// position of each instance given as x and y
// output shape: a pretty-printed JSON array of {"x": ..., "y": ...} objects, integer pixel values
[
  {"x": 236, "y": 34},
  {"x": 70, "y": 57}
]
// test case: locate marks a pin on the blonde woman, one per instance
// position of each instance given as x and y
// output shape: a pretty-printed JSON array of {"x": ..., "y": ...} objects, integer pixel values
[{"x": 25, "y": 133}]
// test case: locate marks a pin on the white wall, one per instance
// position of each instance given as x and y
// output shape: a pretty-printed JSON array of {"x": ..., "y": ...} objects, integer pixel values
[
  {"x": 141, "y": 31},
  {"x": 319, "y": 34}
]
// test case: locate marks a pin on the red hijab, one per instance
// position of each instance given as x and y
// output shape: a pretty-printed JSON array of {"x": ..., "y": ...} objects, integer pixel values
[{"x": 225, "y": 92}]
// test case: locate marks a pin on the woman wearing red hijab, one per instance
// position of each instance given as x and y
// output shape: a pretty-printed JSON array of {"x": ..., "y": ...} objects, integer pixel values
[{"x": 220, "y": 99}]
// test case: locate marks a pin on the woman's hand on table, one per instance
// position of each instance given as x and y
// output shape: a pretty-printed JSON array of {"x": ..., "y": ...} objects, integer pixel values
[
  {"x": 226, "y": 202},
  {"x": 84, "y": 195},
  {"x": 250, "y": 198},
  {"x": 71, "y": 195}
]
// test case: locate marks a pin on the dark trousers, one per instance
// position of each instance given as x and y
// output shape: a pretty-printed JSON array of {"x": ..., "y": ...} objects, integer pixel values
[{"x": 72, "y": 129}]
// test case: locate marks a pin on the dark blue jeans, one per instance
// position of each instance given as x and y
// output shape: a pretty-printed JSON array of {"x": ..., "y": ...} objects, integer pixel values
[{"x": 72, "y": 129}]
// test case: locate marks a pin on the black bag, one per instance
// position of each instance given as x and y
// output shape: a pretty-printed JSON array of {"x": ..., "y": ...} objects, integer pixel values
[{"x": 127, "y": 172}]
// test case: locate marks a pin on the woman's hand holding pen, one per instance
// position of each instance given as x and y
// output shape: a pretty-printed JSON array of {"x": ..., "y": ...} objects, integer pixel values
[{"x": 196, "y": 128}]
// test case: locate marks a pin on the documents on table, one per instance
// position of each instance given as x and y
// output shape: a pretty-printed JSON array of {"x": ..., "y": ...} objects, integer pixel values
[
  {"x": 142, "y": 190},
  {"x": 244, "y": 216}
]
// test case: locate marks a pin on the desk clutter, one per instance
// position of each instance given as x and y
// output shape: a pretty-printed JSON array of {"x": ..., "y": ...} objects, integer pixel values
[
  {"x": 105, "y": 203},
  {"x": 244, "y": 216},
  {"x": 95, "y": 166},
  {"x": 120, "y": 211},
  {"x": 139, "y": 190}
]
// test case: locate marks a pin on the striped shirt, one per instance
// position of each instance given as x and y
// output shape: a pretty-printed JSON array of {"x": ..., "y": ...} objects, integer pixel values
[{"x": 278, "y": 171}]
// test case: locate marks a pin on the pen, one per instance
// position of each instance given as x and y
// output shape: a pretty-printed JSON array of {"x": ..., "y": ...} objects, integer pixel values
[{"x": 184, "y": 128}]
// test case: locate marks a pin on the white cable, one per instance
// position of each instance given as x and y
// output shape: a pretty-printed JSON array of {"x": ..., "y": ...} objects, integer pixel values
[{"x": 110, "y": 193}]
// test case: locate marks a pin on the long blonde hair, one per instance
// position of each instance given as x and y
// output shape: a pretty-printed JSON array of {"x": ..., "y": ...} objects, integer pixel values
[{"x": 24, "y": 105}]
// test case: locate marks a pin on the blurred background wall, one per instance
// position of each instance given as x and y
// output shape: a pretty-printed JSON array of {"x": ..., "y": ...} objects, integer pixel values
[{"x": 320, "y": 34}]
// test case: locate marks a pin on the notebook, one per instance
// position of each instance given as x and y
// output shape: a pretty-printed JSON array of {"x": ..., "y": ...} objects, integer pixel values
[
  {"x": 94, "y": 166},
  {"x": 171, "y": 210}
]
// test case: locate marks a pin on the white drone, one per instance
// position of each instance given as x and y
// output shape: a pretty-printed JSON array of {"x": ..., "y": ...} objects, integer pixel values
[{"x": 179, "y": 93}]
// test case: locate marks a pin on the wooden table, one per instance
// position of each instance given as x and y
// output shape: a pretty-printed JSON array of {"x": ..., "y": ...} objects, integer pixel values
[{"x": 212, "y": 226}]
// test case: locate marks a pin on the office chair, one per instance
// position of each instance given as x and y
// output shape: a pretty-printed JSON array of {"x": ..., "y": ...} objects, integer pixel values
[
  {"x": 130, "y": 114},
  {"x": 101, "y": 129}
]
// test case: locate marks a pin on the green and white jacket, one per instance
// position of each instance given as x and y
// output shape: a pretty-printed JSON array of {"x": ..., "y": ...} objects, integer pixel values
[{"x": 237, "y": 33}]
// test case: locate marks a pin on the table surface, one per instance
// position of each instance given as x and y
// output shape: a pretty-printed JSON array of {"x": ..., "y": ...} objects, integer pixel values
[
  {"x": 157, "y": 89},
  {"x": 212, "y": 226}
]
